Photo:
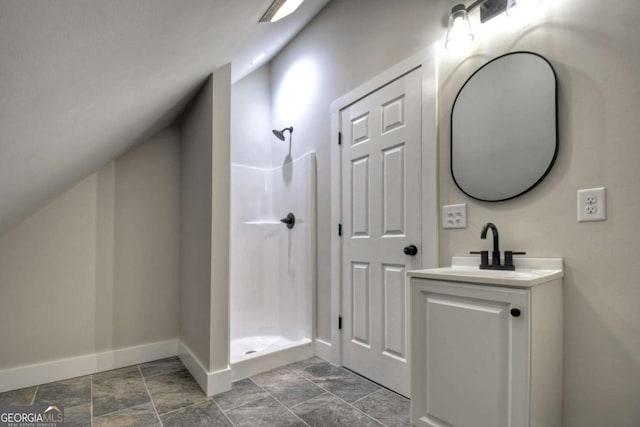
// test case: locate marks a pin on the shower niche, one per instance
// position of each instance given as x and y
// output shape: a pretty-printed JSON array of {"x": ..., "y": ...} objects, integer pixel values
[{"x": 272, "y": 274}]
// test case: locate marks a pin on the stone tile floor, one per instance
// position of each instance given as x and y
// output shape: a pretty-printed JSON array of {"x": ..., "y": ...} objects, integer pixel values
[{"x": 163, "y": 393}]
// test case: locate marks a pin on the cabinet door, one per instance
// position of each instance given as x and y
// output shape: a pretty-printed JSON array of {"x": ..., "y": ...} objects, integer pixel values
[{"x": 470, "y": 355}]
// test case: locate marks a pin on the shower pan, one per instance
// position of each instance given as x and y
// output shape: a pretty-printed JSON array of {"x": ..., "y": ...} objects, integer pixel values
[{"x": 272, "y": 277}]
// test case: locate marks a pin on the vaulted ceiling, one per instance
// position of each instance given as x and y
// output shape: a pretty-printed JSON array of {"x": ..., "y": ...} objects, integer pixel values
[{"x": 83, "y": 81}]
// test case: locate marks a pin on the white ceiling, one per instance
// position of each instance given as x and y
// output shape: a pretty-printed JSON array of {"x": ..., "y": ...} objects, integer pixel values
[{"x": 83, "y": 81}]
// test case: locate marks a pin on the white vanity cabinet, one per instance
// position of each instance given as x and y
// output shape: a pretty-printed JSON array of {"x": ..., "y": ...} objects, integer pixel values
[{"x": 486, "y": 346}]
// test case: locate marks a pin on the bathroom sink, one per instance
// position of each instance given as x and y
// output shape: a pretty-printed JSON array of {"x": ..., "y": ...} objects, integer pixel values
[{"x": 529, "y": 272}]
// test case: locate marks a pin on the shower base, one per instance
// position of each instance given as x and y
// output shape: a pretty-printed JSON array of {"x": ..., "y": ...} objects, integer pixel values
[{"x": 253, "y": 355}]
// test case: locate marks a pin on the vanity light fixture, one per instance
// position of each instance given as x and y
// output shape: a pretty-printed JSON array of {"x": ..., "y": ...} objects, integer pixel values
[
  {"x": 279, "y": 9},
  {"x": 459, "y": 33}
]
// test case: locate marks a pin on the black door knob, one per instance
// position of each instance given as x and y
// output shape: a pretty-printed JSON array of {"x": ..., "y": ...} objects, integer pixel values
[
  {"x": 515, "y": 312},
  {"x": 410, "y": 250},
  {"x": 289, "y": 220}
]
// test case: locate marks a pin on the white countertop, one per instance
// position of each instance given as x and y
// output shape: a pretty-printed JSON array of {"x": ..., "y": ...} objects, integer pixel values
[{"x": 529, "y": 272}]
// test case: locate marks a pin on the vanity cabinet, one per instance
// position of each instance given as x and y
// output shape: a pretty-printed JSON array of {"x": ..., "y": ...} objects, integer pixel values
[{"x": 486, "y": 354}]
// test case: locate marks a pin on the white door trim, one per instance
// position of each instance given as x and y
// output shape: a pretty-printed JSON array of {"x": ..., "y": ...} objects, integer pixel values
[{"x": 425, "y": 60}]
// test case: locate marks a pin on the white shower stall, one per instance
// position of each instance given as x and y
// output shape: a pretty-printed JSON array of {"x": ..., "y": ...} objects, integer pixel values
[{"x": 272, "y": 271}]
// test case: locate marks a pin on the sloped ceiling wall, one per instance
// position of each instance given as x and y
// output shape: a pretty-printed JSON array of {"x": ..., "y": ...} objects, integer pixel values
[{"x": 83, "y": 81}]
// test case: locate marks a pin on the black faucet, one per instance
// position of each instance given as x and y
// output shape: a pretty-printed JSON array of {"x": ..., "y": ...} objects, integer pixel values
[{"x": 495, "y": 255}]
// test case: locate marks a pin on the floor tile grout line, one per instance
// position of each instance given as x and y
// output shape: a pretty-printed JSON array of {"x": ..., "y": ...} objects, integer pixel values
[
  {"x": 298, "y": 373},
  {"x": 245, "y": 403},
  {"x": 386, "y": 389},
  {"x": 185, "y": 407},
  {"x": 223, "y": 413},
  {"x": 283, "y": 405},
  {"x": 150, "y": 398},
  {"x": 324, "y": 391},
  {"x": 163, "y": 373},
  {"x": 356, "y": 375},
  {"x": 121, "y": 410},
  {"x": 380, "y": 389},
  {"x": 357, "y": 409},
  {"x": 363, "y": 412},
  {"x": 364, "y": 397},
  {"x": 33, "y": 399}
]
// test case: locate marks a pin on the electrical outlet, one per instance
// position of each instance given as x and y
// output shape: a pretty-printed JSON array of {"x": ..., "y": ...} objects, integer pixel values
[
  {"x": 454, "y": 216},
  {"x": 592, "y": 205}
]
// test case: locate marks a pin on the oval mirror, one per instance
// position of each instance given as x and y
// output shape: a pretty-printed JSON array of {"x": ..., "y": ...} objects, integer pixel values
[{"x": 504, "y": 136}]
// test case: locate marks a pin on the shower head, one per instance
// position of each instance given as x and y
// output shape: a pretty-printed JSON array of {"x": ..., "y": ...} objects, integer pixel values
[{"x": 280, "y": 133}]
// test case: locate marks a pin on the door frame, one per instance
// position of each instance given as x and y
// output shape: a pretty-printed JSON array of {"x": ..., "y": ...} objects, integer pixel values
[{"x": 426, "y": 61}]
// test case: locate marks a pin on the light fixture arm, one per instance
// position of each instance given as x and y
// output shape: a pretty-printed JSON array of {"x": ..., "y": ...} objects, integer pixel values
[
  {"x": 474, "y": 5},
  {"x": 488, "y": 8}
]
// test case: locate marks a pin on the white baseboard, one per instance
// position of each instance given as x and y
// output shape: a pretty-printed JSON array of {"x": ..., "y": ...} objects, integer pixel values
[
  {"x": 322, "y": 349},
  {"x": 210, "y": 382},
  {"x": 266, "y": 362},
  {"x": 56, "y": 370}
]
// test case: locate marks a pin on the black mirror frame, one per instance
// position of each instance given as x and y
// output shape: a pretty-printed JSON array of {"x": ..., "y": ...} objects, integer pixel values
[{"x": 555, "y": 154}]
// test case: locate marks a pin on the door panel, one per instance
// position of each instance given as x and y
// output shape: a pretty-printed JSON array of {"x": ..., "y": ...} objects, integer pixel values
[
  {"x": 470, "y": 356},
  {"x": 393, "y": 114},
  {"x": 360, "y": 299},
  {"x": 394, "y": 277},
  {"x": 381, "y": 172},
  {"x": 360, "y": 200},
  {"x": 360, "y": 129},
  {"x": 393, "y": 185},
  {"x": 467, "y": 343}
]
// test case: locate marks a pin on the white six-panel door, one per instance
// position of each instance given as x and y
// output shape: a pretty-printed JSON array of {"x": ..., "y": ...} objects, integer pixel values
[{"x": 381, "y": 215}]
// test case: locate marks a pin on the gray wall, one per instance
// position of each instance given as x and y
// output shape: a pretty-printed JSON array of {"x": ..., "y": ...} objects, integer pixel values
[
  {"x": 96, "y": 269},
  {"x": 204, "y": 233},
  {"x": 251, "y": 137},
  {"x": 220, "y": 223},
  {"x": 593, "y": 46},
  {"x": 195, "y": 223}
]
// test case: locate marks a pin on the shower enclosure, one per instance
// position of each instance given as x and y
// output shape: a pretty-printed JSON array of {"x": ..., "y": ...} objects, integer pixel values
[{"x": 272, "y": 266}]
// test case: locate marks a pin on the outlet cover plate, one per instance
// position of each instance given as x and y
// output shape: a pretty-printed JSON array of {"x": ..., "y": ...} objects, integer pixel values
[
  {"x": 592, "y": 204},
  {"x": 454, "y": 216}
]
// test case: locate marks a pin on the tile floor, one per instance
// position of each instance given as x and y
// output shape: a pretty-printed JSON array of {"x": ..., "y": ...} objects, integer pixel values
[{"x": 163, "y": 393}]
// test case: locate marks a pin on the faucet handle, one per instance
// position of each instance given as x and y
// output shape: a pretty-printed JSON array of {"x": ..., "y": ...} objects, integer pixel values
[
  {"x": 484, "y": 257},
  {"x": 508, "y": 257}
]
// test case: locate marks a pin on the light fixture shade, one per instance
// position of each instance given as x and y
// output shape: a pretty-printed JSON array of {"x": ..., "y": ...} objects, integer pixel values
[
  {"x": 459, "y": 34},
  {"x": 522, "y": 7}
]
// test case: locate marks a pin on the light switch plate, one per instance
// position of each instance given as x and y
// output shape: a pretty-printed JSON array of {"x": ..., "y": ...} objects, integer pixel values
[
  {"x": 592, "y": 204},
  {"x": 454, "y": 216}
]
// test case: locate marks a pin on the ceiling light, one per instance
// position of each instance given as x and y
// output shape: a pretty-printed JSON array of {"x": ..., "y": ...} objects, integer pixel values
[
  {"x": 279, "y": 9},
  {"x": 259, "y": 58},
  {"x": 459, "y": 35}
]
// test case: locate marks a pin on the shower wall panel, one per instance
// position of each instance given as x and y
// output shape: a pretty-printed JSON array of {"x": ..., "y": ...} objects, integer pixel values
[{"x": 272, "y": 267}]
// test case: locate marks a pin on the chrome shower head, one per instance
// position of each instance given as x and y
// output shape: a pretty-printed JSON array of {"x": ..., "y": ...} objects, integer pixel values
[{"x": 280, "y": 133}]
